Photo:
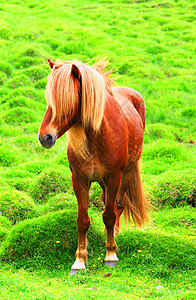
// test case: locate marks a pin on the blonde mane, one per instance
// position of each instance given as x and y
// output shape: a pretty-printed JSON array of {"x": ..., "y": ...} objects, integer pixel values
[
  {"x": 64, "y": 94},
  {"x": 63, "y": 91}
]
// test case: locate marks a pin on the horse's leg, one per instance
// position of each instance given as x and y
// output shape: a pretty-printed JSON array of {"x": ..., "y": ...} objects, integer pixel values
[
  {"x": 81, "y": 190},
  {"x": 109, "y": 217},
  {"x": 120, "y": 200}
]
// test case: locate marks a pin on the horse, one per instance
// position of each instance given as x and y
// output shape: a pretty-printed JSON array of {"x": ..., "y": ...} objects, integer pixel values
[{"x": 105, "y": 131}]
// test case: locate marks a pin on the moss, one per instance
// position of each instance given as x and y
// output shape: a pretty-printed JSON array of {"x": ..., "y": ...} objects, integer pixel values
[
  {"x": 5, "y": 33},
  {"x": 18, "y": 81},
  {"x": 50, "y": 181},
  {"x": 173, "y": 248},
  {"x": 58, "y": 202},
  {"x": 16, "y": 205},
  {"x": 50, "y": 236},
  {"x": 19, "y": 115},
  {"x": 10, "y": 131},
  {"x": 3, "y": 234},
  {"x": 19, "y": 179},
  {"x": 26, "y": 62},
  {"x": 41, "y": 84},
  {"x": 30, "y": 51},
  {"x": 4, "y": 222},
  {"x": 174, "y": 188},
  {"x": 26, "y": 91},
  {"x": 95, "y": 196},
  {"x": 189, "y": 112},
  {"x": 6, "y": 68},
  {"x": 3, "y": 78},
  {"x": 8, "y": 157},
  {"x": 36, "y": 168},
  {"x": 155, "y": 132},
  {"x": 51, "y": 239},
  {"x": 37, "y": 72},
  {"x": 22, "y": 101},
  {"x": 54, "y": 43},
  {"x": 166, "y": 150}
]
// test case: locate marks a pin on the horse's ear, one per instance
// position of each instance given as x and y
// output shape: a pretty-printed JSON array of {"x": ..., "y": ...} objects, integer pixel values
[
  {"x": 75, "y": 71},
  {"x": 51, "y": 63}
]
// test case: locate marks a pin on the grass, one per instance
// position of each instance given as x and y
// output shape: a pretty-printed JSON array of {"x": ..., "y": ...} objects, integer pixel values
[{"x": 151, "y": 45}]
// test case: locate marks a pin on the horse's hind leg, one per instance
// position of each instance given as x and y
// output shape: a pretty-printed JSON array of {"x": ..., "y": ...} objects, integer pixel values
[
  {"x": 109, "y": 218},
  {"x": 120, "y": 199},
  {"x": 82, "y": 194}
]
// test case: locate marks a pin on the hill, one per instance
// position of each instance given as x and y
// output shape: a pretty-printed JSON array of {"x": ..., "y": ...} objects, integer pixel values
[{"x": 151, "y": 45}]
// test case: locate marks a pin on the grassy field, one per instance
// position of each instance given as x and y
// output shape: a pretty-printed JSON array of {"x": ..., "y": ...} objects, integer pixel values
[{"x": 151, "y": 45}]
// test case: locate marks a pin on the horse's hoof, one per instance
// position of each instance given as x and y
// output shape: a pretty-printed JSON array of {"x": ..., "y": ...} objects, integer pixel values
[
  {"x": 110, "y": 263},
  {"x": 73, "y": 271},
  {"x": 77, "y": 266}
]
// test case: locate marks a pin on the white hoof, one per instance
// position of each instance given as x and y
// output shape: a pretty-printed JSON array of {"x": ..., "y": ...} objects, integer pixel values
[
  {"x": 112, "y": 264},
  {"x": 77, "y": 266},
  {"x": 111, "y": 257},
  {"x": 111, "y": 260}
]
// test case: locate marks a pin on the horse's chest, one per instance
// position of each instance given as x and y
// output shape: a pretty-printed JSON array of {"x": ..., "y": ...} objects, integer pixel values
[{"x": 94, "y": 171}]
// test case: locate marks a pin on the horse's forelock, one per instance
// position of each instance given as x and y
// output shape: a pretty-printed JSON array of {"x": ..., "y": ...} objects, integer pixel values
[{"x": 63, "y": 92}]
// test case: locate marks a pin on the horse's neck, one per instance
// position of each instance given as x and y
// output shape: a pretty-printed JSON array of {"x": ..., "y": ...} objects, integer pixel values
[{"x": 78, "y": 141}]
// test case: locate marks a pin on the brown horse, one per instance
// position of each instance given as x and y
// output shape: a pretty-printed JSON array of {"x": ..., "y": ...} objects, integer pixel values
[{"x": 105, "y": 127}]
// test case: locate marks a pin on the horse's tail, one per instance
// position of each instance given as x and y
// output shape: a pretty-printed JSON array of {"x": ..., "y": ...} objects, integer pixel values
[{"x": 135, "y": 199}]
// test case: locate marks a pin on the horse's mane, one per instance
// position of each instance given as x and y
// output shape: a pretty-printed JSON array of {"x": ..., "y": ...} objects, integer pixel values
[{"x": 63, "y": 91}]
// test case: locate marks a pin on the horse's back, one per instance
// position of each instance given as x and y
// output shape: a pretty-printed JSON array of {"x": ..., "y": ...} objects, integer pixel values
[{"x": 129, "y": 98}]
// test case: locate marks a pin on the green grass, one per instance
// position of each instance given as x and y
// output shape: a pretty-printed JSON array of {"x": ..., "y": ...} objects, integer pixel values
[{"x": 151, "y": 45}]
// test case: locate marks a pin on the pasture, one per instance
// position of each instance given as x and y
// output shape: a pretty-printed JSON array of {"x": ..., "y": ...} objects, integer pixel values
[{"x": 151, "y": 45}]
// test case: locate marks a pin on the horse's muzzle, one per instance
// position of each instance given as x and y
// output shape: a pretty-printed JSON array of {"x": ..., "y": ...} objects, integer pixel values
[{"x": 48, "y": 140}]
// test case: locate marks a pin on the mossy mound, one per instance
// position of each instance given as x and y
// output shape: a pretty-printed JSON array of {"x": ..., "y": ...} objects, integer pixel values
[
  {"x": 3, "y": 234},
  {"x": 41, "y": 84},
  {"x": 27, "y": 57},
  {"x": 3, "y": 78},
  {"x": 48, "y": 240},
  {"x": 28, "y": 92},
  {"x": 16, "y": 205},
  {"x": 50, "y": 181},
  {"x": 168, "y": 151},
  {"x": 8, "y": 155},
  {"x": 6, "y": 68},
  {"x": 138, "y": 247},
  {"x": 189, "y": 112},
  {"x": 4, "y": 222},
  {"x": 26, "y": 62},
  {"x": 22, "y": 101},
  {"x": 5, "y": 33},
  {"x": 29, "y": 52},
  {"x": 10, "y": 131},
  {"x": 95, "y": 196},
  {"x": 18, "y": 81},
  {"x": 19, "y": 115},
  {"x": 155, "y": 132},
  {"x": 51, "y": 236},
  {"x": 37, "y": 72},
  {"x": 19, "y": 179},
  {"x": 174, "y": 188},
  {"x": 59, "y": 202},
  {"x": 163, "y": 155}
]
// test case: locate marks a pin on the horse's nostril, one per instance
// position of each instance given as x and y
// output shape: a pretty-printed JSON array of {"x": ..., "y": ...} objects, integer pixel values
[{"x": 48, "y": 139}]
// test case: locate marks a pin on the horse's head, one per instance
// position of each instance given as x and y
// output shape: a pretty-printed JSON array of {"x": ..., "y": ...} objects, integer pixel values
[{"x": 63, "y": 99}]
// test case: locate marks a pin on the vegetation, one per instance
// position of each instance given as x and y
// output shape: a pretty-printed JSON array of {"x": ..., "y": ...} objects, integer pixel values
[{"x": 151, "y": 45}]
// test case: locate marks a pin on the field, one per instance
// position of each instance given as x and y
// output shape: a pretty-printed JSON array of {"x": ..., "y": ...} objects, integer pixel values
[{"x": 151, "y": 45}]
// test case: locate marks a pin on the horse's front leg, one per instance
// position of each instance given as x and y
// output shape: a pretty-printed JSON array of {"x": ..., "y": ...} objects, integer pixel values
[
  {"x": 109, "y": 218},
  {"x": 81, "y": 190}
]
